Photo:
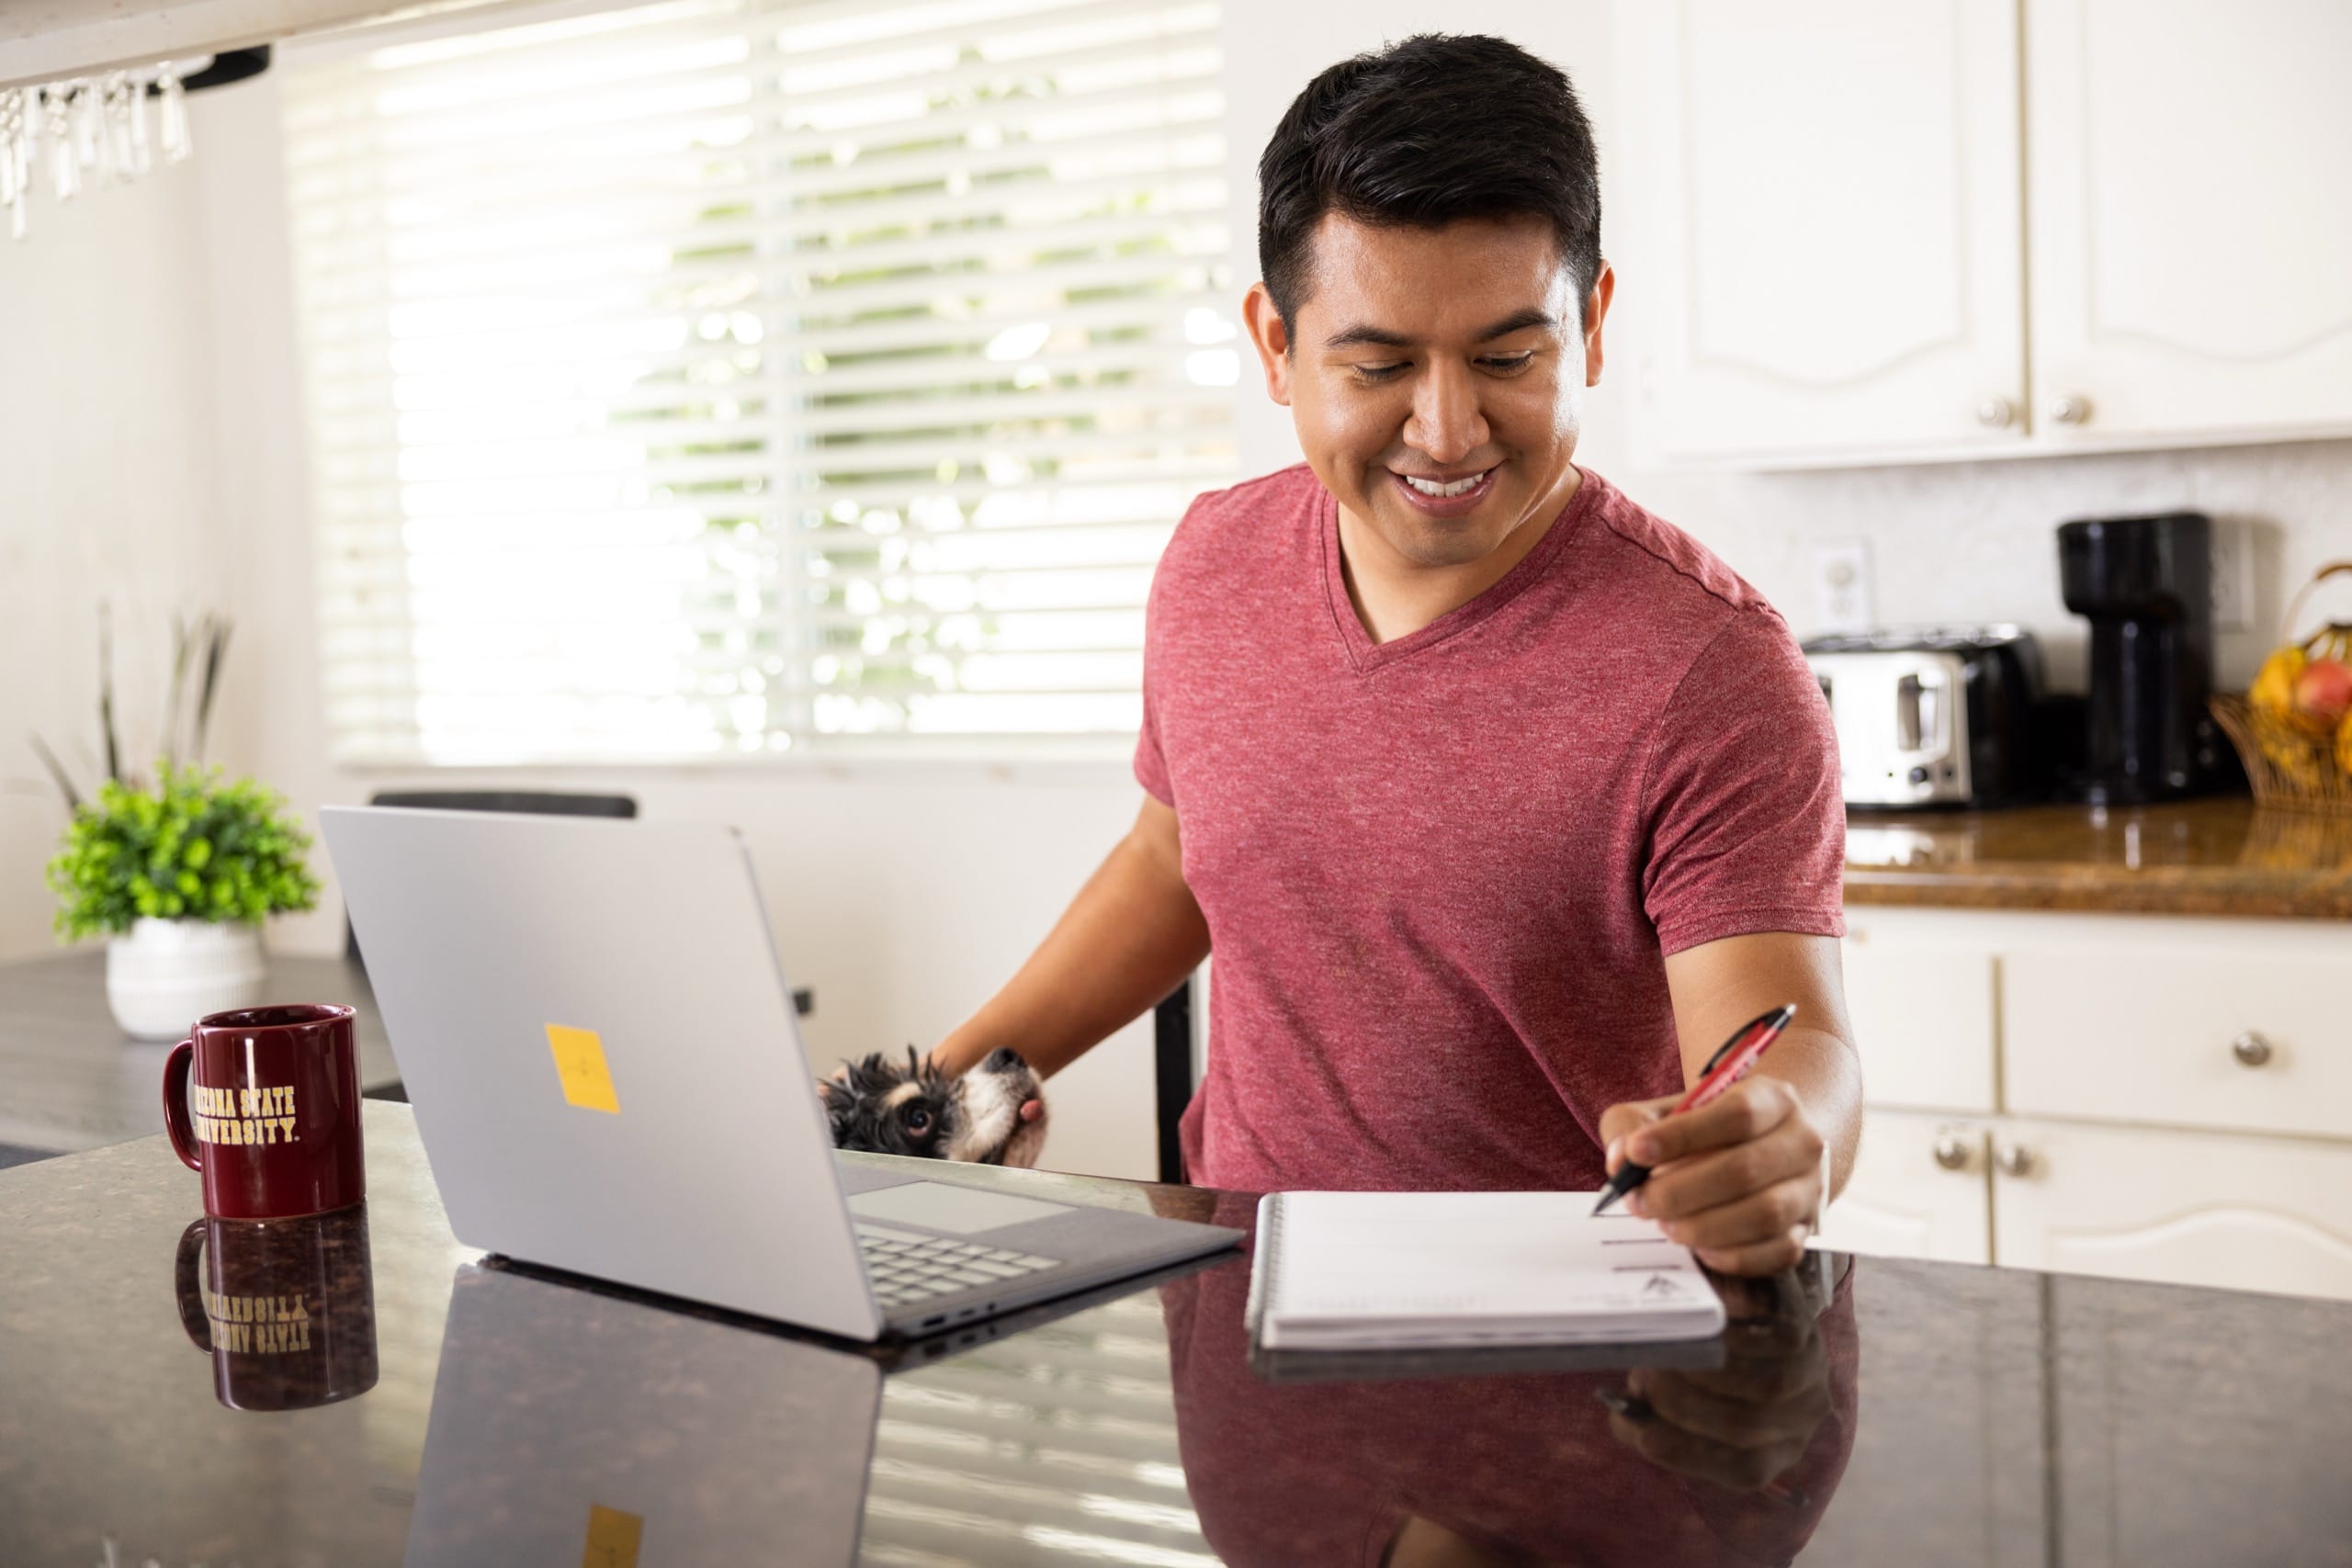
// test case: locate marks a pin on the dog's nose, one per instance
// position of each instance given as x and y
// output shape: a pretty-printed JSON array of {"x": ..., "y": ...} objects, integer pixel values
[{"x": 1003, "y": 1059}]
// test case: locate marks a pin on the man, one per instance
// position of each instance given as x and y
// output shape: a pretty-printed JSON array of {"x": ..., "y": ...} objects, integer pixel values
[{"x": 1501, "y": 801}]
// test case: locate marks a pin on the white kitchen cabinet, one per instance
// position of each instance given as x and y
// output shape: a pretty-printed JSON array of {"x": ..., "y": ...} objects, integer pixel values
[
  {"x": 1827, "y": 200},
  {"x": 2190, "y": 236},
  {"x": 1911, "y": 230},
  {"x": 1917, "y": 1190},
  {"x": 2242, "y": 1038},
  {"x": 2169, "y": 1099},
  {"x": 2190, "y": 1208},
  {"x": 1919, "y": 990}
]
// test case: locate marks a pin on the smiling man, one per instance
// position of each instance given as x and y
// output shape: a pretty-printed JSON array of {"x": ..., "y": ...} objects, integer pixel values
[{"x": 1501, "y": 801}]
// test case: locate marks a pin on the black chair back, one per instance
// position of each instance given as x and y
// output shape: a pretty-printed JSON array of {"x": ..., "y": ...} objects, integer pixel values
[
  {"x": 530, "y": 802},
  {"x": 536, "y": 801},
  {"x": 1172, "y": 1049}
]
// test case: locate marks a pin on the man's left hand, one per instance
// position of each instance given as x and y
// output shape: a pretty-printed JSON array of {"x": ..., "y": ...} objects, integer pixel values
[{"x": 1738, "y": 1181}]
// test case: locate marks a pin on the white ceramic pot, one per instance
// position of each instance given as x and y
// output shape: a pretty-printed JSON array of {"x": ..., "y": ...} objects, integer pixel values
[{"x": 166, "y": 975}]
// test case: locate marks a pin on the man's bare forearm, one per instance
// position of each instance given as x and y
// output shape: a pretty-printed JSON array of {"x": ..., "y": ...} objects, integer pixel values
[
  {"x": 1721, "y": 985},
  {"x": 1131, "y": 934}
]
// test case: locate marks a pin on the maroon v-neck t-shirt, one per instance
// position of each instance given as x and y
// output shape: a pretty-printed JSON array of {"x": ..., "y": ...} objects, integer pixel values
[{"x": 1442, "y": 873}]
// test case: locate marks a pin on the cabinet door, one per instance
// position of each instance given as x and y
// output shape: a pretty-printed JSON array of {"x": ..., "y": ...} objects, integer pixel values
[
  {"x": 1921, "y": 1002},
  {"x": 1826, "y": 212},
  {"x": 1918, "y": 1190},
  {"x": 2187, "y": 1208},
  {"x": 2191, "y": 234}
]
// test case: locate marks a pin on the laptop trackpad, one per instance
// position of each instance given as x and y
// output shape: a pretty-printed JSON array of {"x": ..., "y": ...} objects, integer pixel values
[{"x": 959, "y": 1209}]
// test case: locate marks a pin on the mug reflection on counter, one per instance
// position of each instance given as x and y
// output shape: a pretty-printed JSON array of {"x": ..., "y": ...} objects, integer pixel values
[{"x": 285, "y": 1308}]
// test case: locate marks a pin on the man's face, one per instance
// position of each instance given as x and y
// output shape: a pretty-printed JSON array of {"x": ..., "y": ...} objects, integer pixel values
[{"x": 1436, "y": 377}]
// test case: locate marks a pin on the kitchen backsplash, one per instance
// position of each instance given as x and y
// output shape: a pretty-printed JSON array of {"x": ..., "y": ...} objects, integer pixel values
[{"x": 1976, "y": 541}]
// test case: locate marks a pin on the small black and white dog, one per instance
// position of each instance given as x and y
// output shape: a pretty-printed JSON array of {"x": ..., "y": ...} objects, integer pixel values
[{"x": 995, "y": 1114}]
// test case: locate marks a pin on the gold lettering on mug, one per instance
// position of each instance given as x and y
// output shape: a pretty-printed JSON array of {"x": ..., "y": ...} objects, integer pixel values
[
  {"x": 258, "y": 1325},
  {"x": 259, "y": 1113}
]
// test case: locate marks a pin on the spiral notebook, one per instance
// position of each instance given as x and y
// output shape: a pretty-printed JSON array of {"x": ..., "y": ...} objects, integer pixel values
[{"x": 1383, "y": 1271}]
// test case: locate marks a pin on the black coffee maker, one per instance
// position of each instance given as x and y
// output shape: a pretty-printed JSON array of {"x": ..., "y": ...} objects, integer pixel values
[{"x": 2146, "y": 586}]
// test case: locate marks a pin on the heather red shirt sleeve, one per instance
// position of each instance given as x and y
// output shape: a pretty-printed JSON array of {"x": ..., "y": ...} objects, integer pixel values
[
  {"x": 1151, "y": 763},
  {"x": 1151, "y": 767},
  {"x": 1745, "y": 815}
]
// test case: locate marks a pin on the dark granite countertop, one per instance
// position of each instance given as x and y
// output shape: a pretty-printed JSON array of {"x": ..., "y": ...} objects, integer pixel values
[
  {"x": 1859, "y": 1411},
  {"x": 2221, "y": 856}
]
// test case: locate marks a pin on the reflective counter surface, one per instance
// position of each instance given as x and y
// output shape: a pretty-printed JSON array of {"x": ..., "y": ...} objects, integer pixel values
[{"x": 361, "y": 1390}]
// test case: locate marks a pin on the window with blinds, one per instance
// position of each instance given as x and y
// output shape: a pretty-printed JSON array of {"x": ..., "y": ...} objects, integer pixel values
[{"x": 729, "y": 377}]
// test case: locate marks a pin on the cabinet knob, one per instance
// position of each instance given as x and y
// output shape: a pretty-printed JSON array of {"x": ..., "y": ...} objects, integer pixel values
[
  {"x": 2015, "y": 1159},
  {"x": 1954, "y": 1152},
  {"x": 2069, "y": 410},
  {"x": 1996, "y": 414},
  {"x": 2251, "y": 1048}
]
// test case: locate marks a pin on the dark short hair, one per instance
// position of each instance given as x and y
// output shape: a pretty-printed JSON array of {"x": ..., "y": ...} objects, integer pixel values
[{"x": 1438, "y": 127}]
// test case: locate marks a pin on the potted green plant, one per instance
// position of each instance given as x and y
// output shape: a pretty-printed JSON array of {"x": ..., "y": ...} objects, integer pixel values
[{"x": 178, "y": 876}]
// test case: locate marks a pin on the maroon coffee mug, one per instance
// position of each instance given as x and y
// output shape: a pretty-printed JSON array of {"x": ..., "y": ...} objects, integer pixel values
[
  {"x": 285, "y": 1308},
  {"x": 264, "y": 1103}
]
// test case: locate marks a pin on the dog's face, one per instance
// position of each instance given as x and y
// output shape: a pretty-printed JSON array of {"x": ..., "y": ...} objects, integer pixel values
[{"x": 993, "y": 1115}]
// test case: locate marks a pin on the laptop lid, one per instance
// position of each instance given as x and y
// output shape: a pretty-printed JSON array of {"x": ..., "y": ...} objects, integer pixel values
[
  {"x": 601, "y": 1053},
  {"x": 570, "y": 1427}
]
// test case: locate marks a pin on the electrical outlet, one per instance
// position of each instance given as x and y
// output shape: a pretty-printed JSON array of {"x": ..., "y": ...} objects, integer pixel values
[
  {"x": 1840, "y": 572},
  {"x": 2232, "y": 577}
]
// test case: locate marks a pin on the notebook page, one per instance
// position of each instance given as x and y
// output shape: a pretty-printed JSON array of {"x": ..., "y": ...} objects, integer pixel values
[{"x": 1396, "y": 1255}]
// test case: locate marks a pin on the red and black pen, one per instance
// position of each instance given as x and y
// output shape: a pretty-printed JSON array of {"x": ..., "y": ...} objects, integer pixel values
[{"x": 1725, "y": 1068}]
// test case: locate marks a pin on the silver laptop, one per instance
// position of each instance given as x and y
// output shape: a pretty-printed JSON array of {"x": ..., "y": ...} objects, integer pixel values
[{"x": 601, "y": 1050}]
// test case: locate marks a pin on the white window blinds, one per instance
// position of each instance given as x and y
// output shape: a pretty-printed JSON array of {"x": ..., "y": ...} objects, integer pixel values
[{"x": 726, "y": 376}]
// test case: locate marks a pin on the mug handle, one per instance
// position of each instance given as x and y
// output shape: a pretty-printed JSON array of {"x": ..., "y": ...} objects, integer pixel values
[
  {"x": 176, "y": 1121},
  {"x": 190, "y": 1292}
]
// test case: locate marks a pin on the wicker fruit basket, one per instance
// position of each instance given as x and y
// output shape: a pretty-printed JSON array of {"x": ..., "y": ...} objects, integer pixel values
[{"x": 2295, "y": 760}]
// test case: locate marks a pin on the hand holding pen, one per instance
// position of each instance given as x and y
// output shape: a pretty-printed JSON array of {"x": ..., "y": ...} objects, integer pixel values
[
  {"x": 1725, "y": 1067},
  {"x": 1737, "y": 1170}
]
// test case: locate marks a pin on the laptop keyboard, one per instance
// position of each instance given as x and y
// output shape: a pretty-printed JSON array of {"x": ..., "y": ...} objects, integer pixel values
[{"x": 908, "y": 1268}]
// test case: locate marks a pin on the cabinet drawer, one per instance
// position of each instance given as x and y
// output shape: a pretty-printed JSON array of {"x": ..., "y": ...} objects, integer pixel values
[
  {"x": 1922, "y": 1008},
  {"x": 2236, "y": 1040},
  {"x": 2186, "y": 1208}
]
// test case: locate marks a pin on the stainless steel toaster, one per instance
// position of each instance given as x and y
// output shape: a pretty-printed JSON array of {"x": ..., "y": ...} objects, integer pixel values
[{"x": 1931, "y": 716}]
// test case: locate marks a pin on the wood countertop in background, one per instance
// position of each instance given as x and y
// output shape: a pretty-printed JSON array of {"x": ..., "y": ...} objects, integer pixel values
[{"x": 2199, "y": 857}]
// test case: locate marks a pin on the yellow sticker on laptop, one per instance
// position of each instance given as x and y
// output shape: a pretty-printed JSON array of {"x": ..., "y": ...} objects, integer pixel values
[
  {"x": 580, "y": 1063},
  {"x": 614, "y": 1535}
]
